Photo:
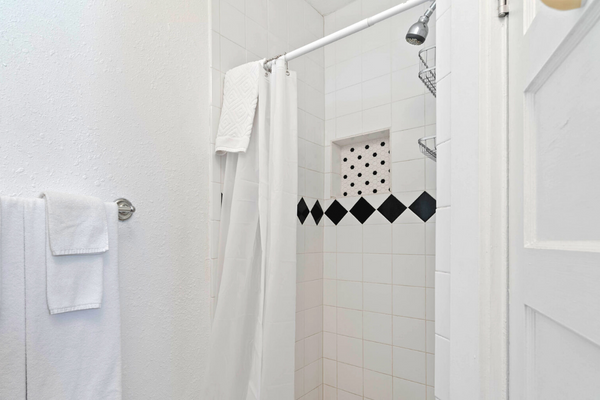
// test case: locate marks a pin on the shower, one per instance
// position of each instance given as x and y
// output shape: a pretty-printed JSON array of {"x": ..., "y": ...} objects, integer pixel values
[{"x": 417, "y": 33}]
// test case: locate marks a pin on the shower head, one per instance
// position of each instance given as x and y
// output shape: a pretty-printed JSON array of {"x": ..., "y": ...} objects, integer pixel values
[{"x": 417, "y": 33}]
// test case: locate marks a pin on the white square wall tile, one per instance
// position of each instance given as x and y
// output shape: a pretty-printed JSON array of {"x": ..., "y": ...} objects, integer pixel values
[
  {"x": 349, "y": 267},
  {"x": 430, "y": 339},
  {"x": 329, "y": 345},
  {"x": 349, "y": 295},
  {"x": 430, "y": 369},
  {"x": 377, "y": 327},
  {"x": 376, "y": 92},
  {"x": 378, "y": 357},
  {"x": 376, "y": 62},
  {"x": 442, "y": 304},
  {"x": 409, "y": 301},
  {"x": 408, "y": 175},
  {"x": 405, "y": 146},
  {"x": 409, "y": 270},
  {"x": 329, "y": 265},
  {"x": 404, "y": 389},
  {"x": 410, "y": 333},
  {"x": 377, "y": 268},
  {"x": 329, "y": 372},
  {"x": 299, "y": 383},
  {"x": 343, "y": 395},
  {"x": 348, "y": 100},
  {"x": 408, "y": 238},
  {"x": 444, "y": 155},
  {"x": 232, "y": 24},
  {"x": 329, "y": 319},
  {"x": 406, "y": 83},
  {"x": 377, "y": 239},
  {"x": 349, "y": 239},
  {"x": 329, "y": 292},
  {"x": 313, "y": 348},
  {"x": 378, "y": 386},
  {"x": 410, "y": 365},
  {"x": 377, "y": 118},
  {"x": 350, "y": 350},
  {"x": 313, "y": 376},
  {"x": 350, "y": 322},
  {"x": 408, "y": 114},
  {"x": 313, "y": 321},
  {"x": 348, "y": 73},
  {"x": 299, "y": 355},
  {"x": 350, "y": 378},
  {"x": 444, "y": 109},
  {"x": 444, "y": 44},
  {"x": 377, "y": 298},
  {"x": 430, "y": 304},
  {"x": 442, "y": 368}
]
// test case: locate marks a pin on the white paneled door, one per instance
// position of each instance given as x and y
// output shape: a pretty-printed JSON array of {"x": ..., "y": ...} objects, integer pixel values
[{"x": 554, "y": 207}]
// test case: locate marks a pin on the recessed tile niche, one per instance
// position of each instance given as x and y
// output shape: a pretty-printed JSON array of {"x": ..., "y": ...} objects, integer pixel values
[{"x": 360, "y": 165}]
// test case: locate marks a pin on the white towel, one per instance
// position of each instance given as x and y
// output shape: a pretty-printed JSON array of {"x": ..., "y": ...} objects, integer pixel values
[
  {"x": 12, "y": 300},
  {"x": 77, "y": 236},
  {"x": 240, "y": 97},
  {"x": 76, "y": 224},
  {"x": 73, "y": 355}
]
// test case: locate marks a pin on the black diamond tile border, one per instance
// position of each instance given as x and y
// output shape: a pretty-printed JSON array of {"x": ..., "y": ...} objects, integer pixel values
[
  {"x": 391, "y": 209},
  {"x": 317, "y": 212},
  {"x": 362, "y": 210},
  {"x": 302, "y": 211},
  {"x": 336, "y": 212},
  {"x": 423, "y": 206}
]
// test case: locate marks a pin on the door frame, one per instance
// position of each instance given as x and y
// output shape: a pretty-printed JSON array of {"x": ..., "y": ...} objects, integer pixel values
[{"x": 493, "y": 201}]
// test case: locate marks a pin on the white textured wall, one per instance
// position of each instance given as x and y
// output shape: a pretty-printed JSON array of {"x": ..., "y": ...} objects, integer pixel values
[{"x": 109, "y": 99}]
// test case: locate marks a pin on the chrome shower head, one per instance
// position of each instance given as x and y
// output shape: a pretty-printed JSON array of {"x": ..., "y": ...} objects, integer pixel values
[{"x": 417, "y": 33}]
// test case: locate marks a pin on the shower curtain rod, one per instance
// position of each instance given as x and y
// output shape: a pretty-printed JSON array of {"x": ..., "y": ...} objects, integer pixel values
[{"x": 349, "y": 30}]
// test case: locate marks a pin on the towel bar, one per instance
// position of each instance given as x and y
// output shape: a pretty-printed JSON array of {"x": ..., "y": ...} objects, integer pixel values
[{"x": 126, "y": 209}]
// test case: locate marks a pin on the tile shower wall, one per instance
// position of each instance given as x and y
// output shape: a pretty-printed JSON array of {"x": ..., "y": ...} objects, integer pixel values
[
  {"x": 378, "y": 286},
  {"x": 248, "y": 30}
]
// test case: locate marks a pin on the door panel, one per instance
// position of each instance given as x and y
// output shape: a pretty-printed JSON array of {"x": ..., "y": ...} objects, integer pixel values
[{"x": 554, "y": 201}]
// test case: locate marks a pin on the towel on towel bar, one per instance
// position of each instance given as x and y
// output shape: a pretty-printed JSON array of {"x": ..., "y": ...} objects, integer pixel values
[
  {"x": 240, "y": 96},
  {"x": 76, "y": 224},
  {"x": 77, "y": 237},
  {"x": 69, "y": 356}
]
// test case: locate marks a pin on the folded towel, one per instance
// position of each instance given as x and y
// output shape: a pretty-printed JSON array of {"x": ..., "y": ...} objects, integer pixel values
[
  {"x": 12, "y": 300},
  {"x": 76, "y": 224},
  {"x": 239, "y": 106},
  {"x": 73, "y": 355}
]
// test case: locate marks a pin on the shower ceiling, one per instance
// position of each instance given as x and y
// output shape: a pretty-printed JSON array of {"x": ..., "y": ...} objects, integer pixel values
[{"x": 325, "y": 7}]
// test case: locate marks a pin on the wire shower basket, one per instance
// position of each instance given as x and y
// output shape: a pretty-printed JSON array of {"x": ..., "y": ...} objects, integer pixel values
[
  {"x": 428, "y": 147},
  {"x": 427, "y": 68}
]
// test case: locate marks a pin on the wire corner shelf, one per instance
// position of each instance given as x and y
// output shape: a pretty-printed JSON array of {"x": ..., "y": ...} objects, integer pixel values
[
  {"x": 428, "y": 147},
  {"x": 427, "y": 68}
]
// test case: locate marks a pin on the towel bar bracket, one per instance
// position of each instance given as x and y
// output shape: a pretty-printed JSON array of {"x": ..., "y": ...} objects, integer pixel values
[{"x": 126, "y": 209}]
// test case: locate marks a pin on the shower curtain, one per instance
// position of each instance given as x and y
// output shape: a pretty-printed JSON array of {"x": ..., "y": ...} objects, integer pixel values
[{"x": 253, "y": 334}]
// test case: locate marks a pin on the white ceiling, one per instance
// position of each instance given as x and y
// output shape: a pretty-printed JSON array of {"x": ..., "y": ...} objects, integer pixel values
[{"x": 328, "y": 6}]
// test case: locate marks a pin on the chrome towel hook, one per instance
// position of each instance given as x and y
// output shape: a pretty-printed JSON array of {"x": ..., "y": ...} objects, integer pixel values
[{"x": 126, "y": 209}]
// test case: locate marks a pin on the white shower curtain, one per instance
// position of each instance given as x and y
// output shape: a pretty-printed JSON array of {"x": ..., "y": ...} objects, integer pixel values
[{"x": 253, "y": 335}]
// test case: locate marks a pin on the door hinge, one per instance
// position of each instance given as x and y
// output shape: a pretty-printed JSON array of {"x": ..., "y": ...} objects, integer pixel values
[{"x": 502, "y": 8}]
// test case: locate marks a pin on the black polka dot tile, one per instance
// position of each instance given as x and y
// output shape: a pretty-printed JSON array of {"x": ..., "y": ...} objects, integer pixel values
[{"x": 363, "y": 159}]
